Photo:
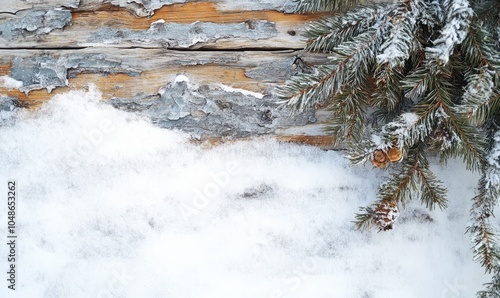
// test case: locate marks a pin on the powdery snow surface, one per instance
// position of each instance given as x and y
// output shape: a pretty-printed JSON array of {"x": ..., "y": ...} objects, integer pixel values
[
  {"x": 242, "y": 91},
  {"x": 111, "y": 206},
  {"x": 10, "y": 83}
]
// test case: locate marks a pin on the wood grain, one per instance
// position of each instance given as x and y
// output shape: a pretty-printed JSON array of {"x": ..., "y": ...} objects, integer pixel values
[
  {"x": 133, "y": 65},
  {"x": 84, "y": 25}
]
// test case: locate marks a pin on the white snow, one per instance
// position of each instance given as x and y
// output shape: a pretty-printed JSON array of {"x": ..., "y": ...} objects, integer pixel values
[
  {"x": 454, "y": 32},
  {"x": 400, "y": 130},
  {"x": 479, "y": 90},
  {"x": 396, "y": 49},
  {"x": 10, "y": 83},
  {"x": 160, "y": 21},
  {"x": 409, "y": 119},
  {"x": 242, "y": 91},
  {"x": 493, "y": 172},
  {"x": 111, "y": 206},
  {"x": 181, "y": 78}
]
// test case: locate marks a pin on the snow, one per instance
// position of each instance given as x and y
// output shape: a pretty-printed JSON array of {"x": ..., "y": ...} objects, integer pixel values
[
  {"x": 479, "y": 90},
  {"x": 396, "y": 49},
  {"x": 160, "y": 21},
  {"x": 10, "y": 83},
  {"x": 493, "y": 171},
  {"x": 111, "y": 206},
  {"x": 242, "y": 91},
  {"x": 409, "y": 119},
  {"x": 181, "y": 78},
  {"x": 455, "y": 30},
  {"x": 398, "y": 131}
]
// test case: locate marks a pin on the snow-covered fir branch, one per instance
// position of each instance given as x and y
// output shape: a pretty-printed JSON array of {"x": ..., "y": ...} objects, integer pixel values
[
  {"x": 483, "y": 233},
  {"x": 407, "y": 79},
  {"x": 396, "y": 49},
  {"x": 349, "y": 60},
  {"x": 322, "y": 5},
  {"x": 492, "y": 173},
  {"x": 457, "y": 21},
  {"x": 326, "y": 34},
  {"x": 479, "y": 96}
]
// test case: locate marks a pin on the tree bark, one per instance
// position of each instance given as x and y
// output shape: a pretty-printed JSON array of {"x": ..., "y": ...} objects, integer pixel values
[{"x": 208, "y": 68}]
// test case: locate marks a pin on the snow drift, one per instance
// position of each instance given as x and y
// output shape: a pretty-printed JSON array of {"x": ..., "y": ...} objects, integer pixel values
[{"x": 112, "y": 206}]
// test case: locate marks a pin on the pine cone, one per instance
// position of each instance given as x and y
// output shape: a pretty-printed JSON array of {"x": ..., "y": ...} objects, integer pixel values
[
  {"x": 386, "y": 214},
  {"x": 379, "y": 159},
  {"x": 395, "y": 154}
]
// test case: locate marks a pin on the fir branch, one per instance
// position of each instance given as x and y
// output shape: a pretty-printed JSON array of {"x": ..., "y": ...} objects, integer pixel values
[
  {"x": 437, "y": 109},
  {"x": 454, "y": 31},
  {"x": 326, "y": 34},
  {"x": 417, "y": 83},
  {"x": 348, "y": 110},
  {"x": 387, "y": 115},
  {"x": 400, "y": 185},
  {"x": 324, "y": 5},
  {"x": 492, "y": 288},
  {"x": 483, "y": 234},
  {"x": 479, "y": 48},
  {"x": 415, "y": 175},
  {"x": 487, "y": 10},
  {"x": 397, "y": 48},
  {"x": 411, "y": 128},
  {"x": 431, "y": 13},
  {"x": 388, "y": 93},
  {"x": 365, "y": 219},
  {"x": 432, "y": 190},
  {"x": 480, "y": 99},
  {"x": 431, "y": 70},
  {"x": 350, "y": 61},
  {"x": 471, "y": 142}
]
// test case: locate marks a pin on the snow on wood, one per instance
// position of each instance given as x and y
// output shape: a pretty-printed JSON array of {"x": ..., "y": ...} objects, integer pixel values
[{"x": 128, "y": 50}]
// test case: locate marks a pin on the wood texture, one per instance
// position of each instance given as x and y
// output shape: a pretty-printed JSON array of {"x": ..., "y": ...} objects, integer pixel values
[
  {"x": 109, "y": 25},
  {"x": 133, "y": 53}
]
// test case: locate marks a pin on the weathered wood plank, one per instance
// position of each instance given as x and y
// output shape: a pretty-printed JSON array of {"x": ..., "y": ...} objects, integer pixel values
[
  {"x": 14, "y": 6},
  {"x": 229, "y": 94},
  {"x": 256, "y": 71},
  {"x": 123, "y": 48},
  {"x": 146, "y": 8},
  {"x": 189, "y": 25}
]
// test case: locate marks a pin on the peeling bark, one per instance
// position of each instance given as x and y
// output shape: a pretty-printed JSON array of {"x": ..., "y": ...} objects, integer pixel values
[
  {"x": 124, "y": 48},
  {"x": 173, "y": 35},
  {"x": 194, "y": 25},
  {"x": 34, "y": 23}
]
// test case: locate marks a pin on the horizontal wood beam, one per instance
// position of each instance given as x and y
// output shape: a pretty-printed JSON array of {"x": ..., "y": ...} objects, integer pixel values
[
  {"x": 209, "y": 68},
  {"x": 193, "y": 25}
]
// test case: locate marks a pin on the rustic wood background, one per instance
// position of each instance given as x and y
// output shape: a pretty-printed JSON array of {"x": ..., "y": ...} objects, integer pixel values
[{"x": 234, "y": 53}]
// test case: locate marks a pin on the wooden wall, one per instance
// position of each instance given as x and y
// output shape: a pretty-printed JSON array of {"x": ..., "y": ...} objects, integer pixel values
[{"x": 139, "y": 53}]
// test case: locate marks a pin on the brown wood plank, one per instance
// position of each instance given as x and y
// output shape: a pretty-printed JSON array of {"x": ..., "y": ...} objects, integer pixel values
[
  {"x": 125, "y": 50},
  {"x": 118, "y": 27},
  {"x": 184, "y": 14}
]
